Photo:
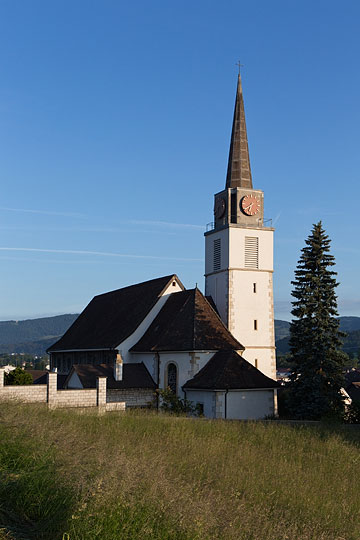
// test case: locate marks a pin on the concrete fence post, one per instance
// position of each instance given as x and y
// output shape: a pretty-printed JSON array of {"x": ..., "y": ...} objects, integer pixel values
[
  {"x": 101, "y": 394},
  {"x": 51, "y": 390},
  {"x": 276, "y": 410},
  {"x": 2, "y": 378}
]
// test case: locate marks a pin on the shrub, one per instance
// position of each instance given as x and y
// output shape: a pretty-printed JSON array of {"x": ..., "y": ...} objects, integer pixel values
[
  {"x": 18, "y": 377},
  {"x": 352, "y": 414},
  {"x": 171, "y": 403}
]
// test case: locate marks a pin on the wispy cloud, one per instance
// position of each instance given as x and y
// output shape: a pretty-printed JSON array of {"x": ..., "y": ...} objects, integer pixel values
[
  {"x": 44, "y": 212},
  {"x": 106, "y": 230},
  {"x": 168, "y": 224},
  {"x": 98, "y": 253}
]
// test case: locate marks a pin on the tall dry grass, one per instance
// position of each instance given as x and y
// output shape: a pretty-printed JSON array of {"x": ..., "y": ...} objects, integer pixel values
[{"x": 141, "y": 475}]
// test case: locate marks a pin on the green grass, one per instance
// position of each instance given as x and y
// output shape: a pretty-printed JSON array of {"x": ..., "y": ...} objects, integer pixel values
[{"x": 72, "y": 476}]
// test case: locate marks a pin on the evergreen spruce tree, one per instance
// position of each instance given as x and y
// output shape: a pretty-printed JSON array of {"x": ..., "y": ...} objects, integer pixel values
[{"x": 315, "y": 339}]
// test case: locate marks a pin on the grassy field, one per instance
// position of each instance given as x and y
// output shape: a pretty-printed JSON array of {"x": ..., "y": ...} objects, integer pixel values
[{"x": 71, "y": 476}]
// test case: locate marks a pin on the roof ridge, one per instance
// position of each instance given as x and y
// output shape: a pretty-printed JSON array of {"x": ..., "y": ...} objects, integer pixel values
[{"x": 170, "y": 276}]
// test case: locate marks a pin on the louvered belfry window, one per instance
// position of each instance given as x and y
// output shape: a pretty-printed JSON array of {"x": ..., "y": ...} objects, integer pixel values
[
  {"x": 217, "y": 254},
  {"x": 251, "y": 252}
]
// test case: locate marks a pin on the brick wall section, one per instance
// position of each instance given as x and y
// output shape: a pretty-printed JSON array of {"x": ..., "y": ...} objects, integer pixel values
[
  {"x": 94, "y": 397},
  {"x": 133, "y": 397},
  {"x": 28, "y": 393},
  {"x": 75, "y": 398}
]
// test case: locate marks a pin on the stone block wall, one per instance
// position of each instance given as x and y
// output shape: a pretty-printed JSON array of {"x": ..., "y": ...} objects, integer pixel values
[
  {"x": 32, "y": 393},
  {"x": 48, "y": 393},
  {"x": 134, "y": 397},
  {"x": 75, "y": 398}
]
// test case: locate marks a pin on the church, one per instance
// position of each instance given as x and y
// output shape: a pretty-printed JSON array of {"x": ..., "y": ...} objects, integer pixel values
[{"x": 216, "y": 350}]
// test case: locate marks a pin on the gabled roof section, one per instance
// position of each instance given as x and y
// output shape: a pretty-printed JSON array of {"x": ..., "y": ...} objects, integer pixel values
[
  {"x": 239, "y": 171},
  {"x": 227, "y": 370},
  {"x": 187, "y": 322},
  {"x": 112, "y": 317},
  {"x": 134, "y": 376}
]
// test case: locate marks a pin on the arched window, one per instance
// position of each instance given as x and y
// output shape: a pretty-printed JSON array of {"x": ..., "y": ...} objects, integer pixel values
[{"x": 172, "y": 377}]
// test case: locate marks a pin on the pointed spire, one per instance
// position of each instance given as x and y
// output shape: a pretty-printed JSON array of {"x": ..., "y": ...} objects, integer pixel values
[{"x": 239, "y": 172}]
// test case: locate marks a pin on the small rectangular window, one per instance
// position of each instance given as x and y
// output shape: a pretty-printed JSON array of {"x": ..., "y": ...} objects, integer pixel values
[
  {"x": 256, "y": 362},
  {"x": 217, "y": 254},
  {"x": 254, "y": 287},
  {"x": 255, "y": 324}
]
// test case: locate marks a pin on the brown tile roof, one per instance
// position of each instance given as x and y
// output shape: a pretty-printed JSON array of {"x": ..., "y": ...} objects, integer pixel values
[
  {"x": 43, "y": 379},
  {"x": 134, "y": 376},
  {"x": 227, "y": 370},
  {"x": 112, "y": 317},
  {"x": 37, "y": 374},
  {"x": 187, "y": 322}
]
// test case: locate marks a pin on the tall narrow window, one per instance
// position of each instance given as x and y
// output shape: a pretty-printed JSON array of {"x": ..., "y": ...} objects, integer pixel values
[
  {"x": 172, "y": 377},
  {"x": 251, "y": 252},
  {"x": 233, "y": 217},
  {"x": 217, "y": 254},
  {"x": 255, "y": 324},
  {"x": 256, "y": 362},
  {"x": 254, "y": 287}
]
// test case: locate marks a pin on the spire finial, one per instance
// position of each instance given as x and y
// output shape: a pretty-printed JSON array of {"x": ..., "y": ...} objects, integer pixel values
[{"x": 238, "y": 63}]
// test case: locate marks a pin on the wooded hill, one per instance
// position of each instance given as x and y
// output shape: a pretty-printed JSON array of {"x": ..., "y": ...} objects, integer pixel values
[
  {"x": 350, "y": 325},
  {"x": 33, "y": 336}
]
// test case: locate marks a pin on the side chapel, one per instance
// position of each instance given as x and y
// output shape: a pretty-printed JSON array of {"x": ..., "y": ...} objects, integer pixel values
[{"x": 217, "y": 349}]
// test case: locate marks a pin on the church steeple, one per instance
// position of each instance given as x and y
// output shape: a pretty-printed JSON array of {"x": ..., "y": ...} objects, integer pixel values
[{"x": 239, "y": 172}]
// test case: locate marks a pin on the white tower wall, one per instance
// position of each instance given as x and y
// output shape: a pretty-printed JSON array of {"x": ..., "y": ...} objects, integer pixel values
[{"x": 240, "y": 282}]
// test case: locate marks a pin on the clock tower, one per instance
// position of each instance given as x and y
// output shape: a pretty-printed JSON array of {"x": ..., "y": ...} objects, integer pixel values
[{"x": 239, "y": 254}]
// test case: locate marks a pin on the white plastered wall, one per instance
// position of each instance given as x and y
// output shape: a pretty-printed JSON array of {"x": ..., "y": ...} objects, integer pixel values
[
  {"x": 250, "y": 404},
  {"x": 206, "y": 398},
  {"x": 240, "y": 404},
  {"x": 187, "y": 363}
]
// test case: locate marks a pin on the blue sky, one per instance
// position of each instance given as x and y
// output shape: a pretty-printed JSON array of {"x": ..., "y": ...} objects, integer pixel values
[{"x": 115, "y": 122}]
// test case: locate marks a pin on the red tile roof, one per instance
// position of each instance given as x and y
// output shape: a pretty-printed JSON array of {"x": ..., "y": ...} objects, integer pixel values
[
  {"x": 227, "y": 370},
  {"x": 187, "y": 322}
]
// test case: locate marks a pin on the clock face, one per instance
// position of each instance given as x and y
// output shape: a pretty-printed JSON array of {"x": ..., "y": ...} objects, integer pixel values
[
  {"x": 250, "y": 205},
  {"x": 219, "y": 207}
]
